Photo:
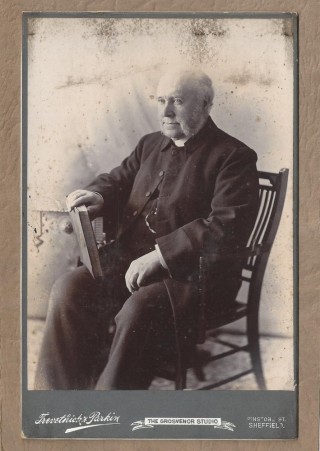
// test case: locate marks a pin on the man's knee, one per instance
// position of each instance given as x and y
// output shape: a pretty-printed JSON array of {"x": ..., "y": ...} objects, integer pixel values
[
  {"x": 144, "y": 305},
  {"x": 72, "y": 289}
]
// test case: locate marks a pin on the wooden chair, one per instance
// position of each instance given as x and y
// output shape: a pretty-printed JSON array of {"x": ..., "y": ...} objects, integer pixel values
[{"x": 255, "y": 257}]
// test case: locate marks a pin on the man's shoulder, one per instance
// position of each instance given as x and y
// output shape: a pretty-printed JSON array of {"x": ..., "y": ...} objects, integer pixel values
[
  {"x": 228, "y": 145},
  {"x": 152, "y": 142},
  {"x": 154, "y": 137}
]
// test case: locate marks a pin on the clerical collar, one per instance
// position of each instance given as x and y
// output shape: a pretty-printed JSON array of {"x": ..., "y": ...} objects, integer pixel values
[
  {"x": 175, "y": 146},
  {"x": 179, "y": 143}
]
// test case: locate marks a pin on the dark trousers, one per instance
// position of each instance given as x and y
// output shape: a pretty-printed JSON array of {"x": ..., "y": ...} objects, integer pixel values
[{"x": 80, "y": 352}]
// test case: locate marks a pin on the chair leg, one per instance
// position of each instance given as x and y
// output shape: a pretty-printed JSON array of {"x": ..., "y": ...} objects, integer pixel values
[
  {"x": 181, "y": 380},
  {"x": 200, "y": 359},
  {"x": 255, "y": 355},
  {"x": 198, "y": 371}
]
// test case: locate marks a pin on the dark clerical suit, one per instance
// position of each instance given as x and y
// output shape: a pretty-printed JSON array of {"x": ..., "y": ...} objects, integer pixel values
[{"x": 198, "y": 199}]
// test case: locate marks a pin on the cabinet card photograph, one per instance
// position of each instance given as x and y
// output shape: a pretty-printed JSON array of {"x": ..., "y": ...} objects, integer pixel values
[{"x": 159, "y": 225}]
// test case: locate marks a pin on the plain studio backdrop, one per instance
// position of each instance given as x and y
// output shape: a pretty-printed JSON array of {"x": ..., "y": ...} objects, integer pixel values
[{"x": 92, "y": 95}]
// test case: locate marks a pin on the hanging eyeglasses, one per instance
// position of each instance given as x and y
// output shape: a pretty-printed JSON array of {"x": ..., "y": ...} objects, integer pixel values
[{"x": 146, "y": 219}]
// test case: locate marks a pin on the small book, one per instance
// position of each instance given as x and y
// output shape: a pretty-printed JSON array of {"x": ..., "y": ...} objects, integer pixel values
[{"x": 83, "y": 229}]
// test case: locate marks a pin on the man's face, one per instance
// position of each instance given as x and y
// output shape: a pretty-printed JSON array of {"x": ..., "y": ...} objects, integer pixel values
[{"x": 181, "y": 108}]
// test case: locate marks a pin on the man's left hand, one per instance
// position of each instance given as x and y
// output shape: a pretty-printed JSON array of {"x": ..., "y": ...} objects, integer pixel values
[{"x": 142, "y": 270}]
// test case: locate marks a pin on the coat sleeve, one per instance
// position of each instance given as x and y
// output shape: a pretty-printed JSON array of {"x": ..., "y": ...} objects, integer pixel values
[
  {"x": 115, "y": 187},
  {"x": 233, "y": 210}
]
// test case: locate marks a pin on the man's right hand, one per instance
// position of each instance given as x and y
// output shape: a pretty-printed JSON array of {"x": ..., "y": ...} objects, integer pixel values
[{"x": 93, "y": 201}]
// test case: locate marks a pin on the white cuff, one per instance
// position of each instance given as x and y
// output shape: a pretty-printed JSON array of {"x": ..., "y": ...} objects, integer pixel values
[
  {"x": 160, "y": 256},
  {"x": 95, "y": 192}
]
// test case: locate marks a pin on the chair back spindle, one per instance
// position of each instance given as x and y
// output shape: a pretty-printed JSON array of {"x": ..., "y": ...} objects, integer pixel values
[{"x": 272, "y": 191}]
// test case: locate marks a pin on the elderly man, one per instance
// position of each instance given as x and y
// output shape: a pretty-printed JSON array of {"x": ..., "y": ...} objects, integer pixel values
[{"x": 188, "y": 190}]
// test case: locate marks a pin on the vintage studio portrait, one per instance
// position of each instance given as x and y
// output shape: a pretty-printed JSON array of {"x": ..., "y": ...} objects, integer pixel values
[{"x": 160, "y": 203}]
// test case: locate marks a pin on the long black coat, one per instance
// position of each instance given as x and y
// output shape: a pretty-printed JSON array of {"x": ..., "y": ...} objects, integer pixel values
[{"x": 207, "y": 200}]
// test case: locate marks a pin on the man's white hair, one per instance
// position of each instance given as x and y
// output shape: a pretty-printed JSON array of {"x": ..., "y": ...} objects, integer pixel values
[{"x": 200, "y": 79}]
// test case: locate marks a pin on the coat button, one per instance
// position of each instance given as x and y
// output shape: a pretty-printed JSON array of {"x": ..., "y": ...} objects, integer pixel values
[
  {"x": 148, "y": 193},
  {"x": 135, "y": 213},
  {"x": 161, "y": 173}
]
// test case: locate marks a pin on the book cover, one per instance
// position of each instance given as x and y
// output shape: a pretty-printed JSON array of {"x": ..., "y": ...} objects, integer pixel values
[{"x": 83, "y": 229}]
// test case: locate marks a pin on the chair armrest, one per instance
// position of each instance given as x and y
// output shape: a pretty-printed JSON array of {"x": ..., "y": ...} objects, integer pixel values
[{"x": 243, "y": 253}]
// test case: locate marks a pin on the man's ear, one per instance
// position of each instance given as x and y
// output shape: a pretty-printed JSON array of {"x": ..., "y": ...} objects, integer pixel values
[{"x": 207, "y": 104}]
